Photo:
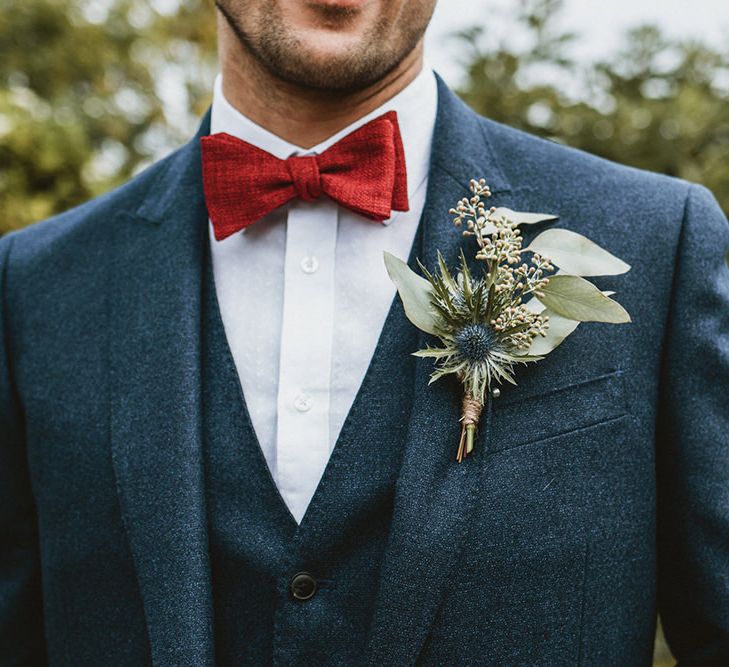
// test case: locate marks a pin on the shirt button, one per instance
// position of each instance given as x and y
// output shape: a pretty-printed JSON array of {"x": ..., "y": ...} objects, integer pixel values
[
  {"x": 303, "y": 586},
  {"x": 309, "y": 264},
  {"x": 303, "y": 403}
]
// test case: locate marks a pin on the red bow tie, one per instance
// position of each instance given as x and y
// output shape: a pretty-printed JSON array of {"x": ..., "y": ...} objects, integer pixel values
[{"x": 364, "y": 172}]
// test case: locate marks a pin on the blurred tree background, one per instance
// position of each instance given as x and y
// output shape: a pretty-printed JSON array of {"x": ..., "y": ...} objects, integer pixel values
[
  {"x": 91, "y": 91},
  {"x": 657, "y": 104}
]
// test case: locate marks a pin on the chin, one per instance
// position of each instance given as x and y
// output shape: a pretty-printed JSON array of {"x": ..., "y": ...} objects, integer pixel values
[
  {"x": 326, "y": 47},
  {"x": 329, "y": 61}
]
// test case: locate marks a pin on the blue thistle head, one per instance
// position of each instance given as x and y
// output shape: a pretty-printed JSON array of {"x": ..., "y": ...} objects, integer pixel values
[{"x": 475, "y": 342}]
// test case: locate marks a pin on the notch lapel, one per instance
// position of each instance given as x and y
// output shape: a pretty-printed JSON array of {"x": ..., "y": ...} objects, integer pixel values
[
  {"x": 434, "y": 494},
  {"x": 156, "y": 432}
]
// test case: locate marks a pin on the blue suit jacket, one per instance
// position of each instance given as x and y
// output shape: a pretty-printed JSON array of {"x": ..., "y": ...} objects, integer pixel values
[{"x": 600, "y": 491}]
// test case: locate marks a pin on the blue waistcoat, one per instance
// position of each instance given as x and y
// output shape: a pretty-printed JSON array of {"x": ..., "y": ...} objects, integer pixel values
[{"x": 256, "y": 546}]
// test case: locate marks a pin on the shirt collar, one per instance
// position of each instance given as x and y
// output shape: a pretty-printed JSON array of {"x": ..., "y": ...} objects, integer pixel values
[{"x": 416, "y": 107}]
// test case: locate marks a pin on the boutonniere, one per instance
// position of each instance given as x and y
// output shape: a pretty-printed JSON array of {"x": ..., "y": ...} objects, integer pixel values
[{"x": 515, "y": 310}]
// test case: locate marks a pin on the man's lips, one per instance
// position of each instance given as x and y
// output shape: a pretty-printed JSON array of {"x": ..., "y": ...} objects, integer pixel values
[{"x": 343, "y": 4}]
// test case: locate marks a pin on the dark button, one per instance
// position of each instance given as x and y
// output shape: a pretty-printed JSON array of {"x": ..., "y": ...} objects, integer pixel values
[{"x": 303, "y": 586}]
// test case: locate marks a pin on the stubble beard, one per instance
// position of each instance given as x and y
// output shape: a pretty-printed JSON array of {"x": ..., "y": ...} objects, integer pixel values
[{"x": 279, "y": 52}]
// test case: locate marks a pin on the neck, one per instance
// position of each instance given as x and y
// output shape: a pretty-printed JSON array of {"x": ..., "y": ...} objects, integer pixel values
[{"x": 300, "y": 115}]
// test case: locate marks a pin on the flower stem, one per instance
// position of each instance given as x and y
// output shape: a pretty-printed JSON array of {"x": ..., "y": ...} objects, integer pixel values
[
  {"x": 470, "y": 416},
  {"x": 470, "y": 431}
]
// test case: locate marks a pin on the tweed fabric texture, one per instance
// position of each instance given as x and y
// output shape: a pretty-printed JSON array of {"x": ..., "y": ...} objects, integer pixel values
[
  {"x": 364, "y": 172},
  {"x": 597, "y": 495},
  {"x": 256, "y": 545}
]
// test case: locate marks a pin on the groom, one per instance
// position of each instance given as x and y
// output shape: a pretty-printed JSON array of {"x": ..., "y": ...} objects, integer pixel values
[{"x": 216, "y": 447}]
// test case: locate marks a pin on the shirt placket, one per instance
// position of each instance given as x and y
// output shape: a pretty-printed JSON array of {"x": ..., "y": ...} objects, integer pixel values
[{"x": 302, "y": 431}]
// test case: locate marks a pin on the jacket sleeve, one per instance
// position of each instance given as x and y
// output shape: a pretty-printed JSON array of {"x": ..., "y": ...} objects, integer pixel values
[
  {"x": 692, "y": 446},
  {"x": 21, "y": 624}
]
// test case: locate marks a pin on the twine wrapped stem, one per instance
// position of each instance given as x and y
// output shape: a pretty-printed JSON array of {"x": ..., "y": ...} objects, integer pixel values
[{"x": 470, "y": 416}]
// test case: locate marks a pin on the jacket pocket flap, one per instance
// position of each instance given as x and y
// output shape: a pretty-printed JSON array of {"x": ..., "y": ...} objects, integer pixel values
[{"x": 557, "y": 411}]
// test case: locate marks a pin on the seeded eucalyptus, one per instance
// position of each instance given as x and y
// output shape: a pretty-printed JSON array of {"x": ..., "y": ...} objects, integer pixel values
[{"x": 510, "y": 311}]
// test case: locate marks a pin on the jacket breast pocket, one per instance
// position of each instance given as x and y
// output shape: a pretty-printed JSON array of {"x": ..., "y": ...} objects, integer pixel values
[{"x": 539, "y": 415}]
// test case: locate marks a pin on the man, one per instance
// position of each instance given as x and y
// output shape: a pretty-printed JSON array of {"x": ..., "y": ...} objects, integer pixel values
[{"x": 218, "y": 449}]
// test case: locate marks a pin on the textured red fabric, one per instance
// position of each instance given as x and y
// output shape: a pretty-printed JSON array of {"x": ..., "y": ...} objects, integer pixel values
[{"x": 364, "y": 172}]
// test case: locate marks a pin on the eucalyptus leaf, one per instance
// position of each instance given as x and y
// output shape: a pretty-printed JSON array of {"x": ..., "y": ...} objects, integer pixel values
[
  {"x": 527, "y": 357},
  {"x": 521, "y": 218},
  {"x": 415, "y": 293},
  {"x": 576, "y": 254},
  {"x": 535, "y": 305},
  {"x": 575, "y": 298},
  {"x": 488, "y": 230},
  {"x": 559, "y": 328}
]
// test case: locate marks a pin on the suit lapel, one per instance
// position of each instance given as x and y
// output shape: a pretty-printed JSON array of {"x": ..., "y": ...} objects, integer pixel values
[
  {"x": 156, "y": 433},
  {"x": 434, "y": 494}
]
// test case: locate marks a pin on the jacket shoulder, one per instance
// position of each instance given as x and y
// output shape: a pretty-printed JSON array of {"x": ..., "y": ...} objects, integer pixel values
[
  {"x": 80, "y": 228},
  {"x": 577, "y": 174}
]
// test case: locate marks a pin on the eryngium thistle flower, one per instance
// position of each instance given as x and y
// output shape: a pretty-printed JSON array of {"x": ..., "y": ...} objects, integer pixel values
[
  {"x": 484, "y": 327},
  {"x": 484, "y": 331},
  {"x": 475, "y": 341}
]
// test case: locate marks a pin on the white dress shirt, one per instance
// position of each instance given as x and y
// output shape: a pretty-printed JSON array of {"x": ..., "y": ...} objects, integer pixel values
[{"x": 304, "y": 293}]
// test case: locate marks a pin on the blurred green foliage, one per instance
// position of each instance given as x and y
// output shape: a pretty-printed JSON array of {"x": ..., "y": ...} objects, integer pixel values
[
  {"x": 657, "y": 104},
  {"x": 93, "y": 90},
  {"x": 83, "y": 89}
]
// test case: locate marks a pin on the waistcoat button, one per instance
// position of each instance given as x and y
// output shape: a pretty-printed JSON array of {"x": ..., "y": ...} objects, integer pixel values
[{"x": 303, "y": 586}]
